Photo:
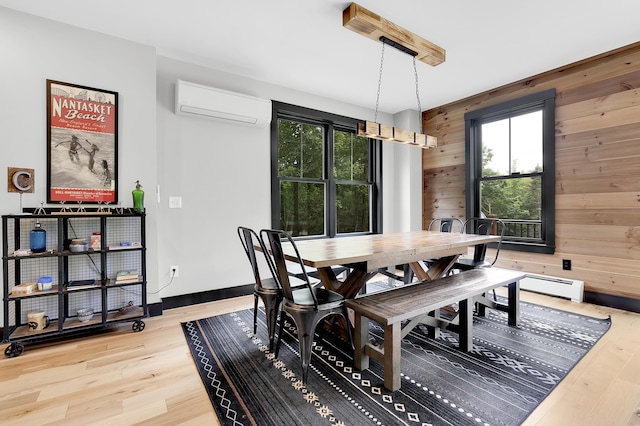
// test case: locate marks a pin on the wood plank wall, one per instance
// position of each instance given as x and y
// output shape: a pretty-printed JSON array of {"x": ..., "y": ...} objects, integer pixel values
[{"x": 597, "y": 169}]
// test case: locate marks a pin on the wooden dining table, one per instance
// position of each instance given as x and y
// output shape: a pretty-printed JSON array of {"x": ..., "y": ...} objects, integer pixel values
[{"x": 365, "y": 255}]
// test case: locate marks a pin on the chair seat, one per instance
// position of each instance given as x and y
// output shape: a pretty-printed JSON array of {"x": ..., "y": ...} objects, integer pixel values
[
  {"x": 295, "y": 270},
  {"x": 268, "y": 284},
  {"x": 325, "y": 297},
  {"x": 466, "y": 264}
]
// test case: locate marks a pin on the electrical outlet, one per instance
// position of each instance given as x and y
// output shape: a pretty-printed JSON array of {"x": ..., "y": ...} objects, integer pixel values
[
  {"x": 566, "y": 264},
  {"x": 174, "y": 271}
]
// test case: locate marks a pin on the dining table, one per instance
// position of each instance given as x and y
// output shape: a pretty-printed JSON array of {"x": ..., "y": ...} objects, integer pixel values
[{"x": 365, "y": 255}]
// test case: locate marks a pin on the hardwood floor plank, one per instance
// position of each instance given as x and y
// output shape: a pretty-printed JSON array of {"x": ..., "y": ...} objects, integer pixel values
[{"x": 149, "y": 378}]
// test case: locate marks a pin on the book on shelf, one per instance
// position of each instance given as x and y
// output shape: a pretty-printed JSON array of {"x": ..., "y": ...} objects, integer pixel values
[
  {"x": 80, "y": 284},
  {"x": 125, "y": 246},
  {"x": 127, "y": 274},
  {"x": 128, "y": 280}
]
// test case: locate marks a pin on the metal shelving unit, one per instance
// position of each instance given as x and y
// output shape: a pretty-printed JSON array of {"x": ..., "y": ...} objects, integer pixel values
[{"x": 122, "y": 247}]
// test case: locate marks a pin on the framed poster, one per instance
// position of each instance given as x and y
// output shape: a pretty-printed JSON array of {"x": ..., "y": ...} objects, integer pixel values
[{"x": 82, "y": 144}]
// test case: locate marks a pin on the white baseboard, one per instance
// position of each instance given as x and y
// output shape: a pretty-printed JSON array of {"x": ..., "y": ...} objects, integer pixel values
[{"x": 554, "y": 286}]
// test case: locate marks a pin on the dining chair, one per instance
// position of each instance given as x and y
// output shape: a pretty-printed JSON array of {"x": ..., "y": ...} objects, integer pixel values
[
  {"x": 266, "y": 289},
  {"x": 305, "y": 304},
  {"x": 446, "y": 224},
  {"x": 481, "y": 226}
]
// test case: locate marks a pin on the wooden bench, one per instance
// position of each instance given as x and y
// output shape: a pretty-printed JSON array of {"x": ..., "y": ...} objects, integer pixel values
[{"x": 415, "y": 302}]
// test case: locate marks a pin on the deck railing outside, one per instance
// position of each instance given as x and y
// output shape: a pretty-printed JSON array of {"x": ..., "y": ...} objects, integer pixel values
[{"x": 522, "y": 229}]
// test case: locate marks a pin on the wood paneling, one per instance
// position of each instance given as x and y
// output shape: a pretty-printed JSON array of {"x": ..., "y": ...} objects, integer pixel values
[
  {"x": 597, "y": 169},
  {"x": 598, "y": 217}
]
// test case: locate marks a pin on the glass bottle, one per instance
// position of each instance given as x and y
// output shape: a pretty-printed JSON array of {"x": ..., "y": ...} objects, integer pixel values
[
  {"x": 138, "y": 198},
  {"x": 38, "y": 239}
]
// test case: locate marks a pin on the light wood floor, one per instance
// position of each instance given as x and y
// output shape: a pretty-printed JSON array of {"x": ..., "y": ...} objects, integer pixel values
[{"x": 122, "y": 378}]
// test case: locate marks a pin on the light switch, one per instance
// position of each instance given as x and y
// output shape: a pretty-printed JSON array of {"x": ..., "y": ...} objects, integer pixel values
[{"x": 175, "y": 202}]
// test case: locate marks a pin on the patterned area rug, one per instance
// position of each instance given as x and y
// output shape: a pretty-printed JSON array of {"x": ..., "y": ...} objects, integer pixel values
[{"x": 500, "y": 382}]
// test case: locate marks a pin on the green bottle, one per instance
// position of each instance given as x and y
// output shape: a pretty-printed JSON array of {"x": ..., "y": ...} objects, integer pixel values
[{"x": 138, "y": 198}]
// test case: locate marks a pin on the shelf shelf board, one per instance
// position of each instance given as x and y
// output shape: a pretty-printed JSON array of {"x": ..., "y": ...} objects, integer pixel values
[
  {"x": 23, "y": 331},
  {"x": 74, "y": 322},
  {"x": 136, "y": 312},
  {"x": 37, "y": 293}
]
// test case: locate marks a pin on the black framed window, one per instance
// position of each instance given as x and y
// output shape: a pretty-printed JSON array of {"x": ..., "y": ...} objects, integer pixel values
[
  {"x": 510, "y": 155},
  {"x": 326, "y": 179}
]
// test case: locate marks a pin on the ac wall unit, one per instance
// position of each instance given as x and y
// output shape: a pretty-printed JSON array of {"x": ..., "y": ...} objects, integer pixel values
[{"x": 205, "y": 101}]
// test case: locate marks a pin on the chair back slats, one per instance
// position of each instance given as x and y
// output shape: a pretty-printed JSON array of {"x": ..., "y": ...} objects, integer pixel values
[
  {"x": 248, "y": 238},
  {"x": 273, "y": 238},
  {"x": 446, "y": 224}
]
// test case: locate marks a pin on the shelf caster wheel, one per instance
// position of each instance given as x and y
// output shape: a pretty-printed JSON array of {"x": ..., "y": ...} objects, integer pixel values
[
  {"x": 137, "y": 326},
  {"x": 15, "y": 349}
]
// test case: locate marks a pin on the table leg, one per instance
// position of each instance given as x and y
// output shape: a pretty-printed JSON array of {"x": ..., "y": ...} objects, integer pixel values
[
  {"x": 439, "y": 269},
  {"x": 349, "y": 288}
]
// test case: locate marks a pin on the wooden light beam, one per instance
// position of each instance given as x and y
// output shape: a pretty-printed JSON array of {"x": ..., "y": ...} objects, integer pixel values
[{"x": 366, "y": 23}]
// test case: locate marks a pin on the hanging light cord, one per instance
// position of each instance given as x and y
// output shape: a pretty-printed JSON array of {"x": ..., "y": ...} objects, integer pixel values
[
  {"x": 375, "y": 119},
  {"x": 415, "y": 71}
]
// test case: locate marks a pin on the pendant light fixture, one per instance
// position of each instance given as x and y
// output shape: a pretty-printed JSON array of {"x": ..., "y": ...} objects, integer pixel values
[{"x": 367, "y": 23}]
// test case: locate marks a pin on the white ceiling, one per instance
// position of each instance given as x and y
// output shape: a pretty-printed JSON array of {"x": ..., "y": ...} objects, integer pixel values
[{"x": 301, "y": 44}]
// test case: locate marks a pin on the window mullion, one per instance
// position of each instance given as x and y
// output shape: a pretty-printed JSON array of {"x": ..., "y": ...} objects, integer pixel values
[{"x": 331, "y": 210}]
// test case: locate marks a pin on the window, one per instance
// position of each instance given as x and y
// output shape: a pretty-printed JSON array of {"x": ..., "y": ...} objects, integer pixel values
[
  {"x": 510, "y": 155},
  {"x": 325, "y": 178}
]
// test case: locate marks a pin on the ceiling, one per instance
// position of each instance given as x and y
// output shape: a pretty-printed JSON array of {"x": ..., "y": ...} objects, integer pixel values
[{"x": 302, "y": 44}]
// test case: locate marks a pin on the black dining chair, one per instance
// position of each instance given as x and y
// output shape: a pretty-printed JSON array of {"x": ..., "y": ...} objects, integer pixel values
[
  {"x": 307, "y": 305},
  {"x": 481, "y": 226},
  {"x": 266, "y": 289},
  {"x": 444, "y": 224}
]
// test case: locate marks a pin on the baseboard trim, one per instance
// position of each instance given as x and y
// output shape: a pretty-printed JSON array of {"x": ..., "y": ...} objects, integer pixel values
[
  {"x": 206, "y": 296},
  {"x": 618, "y": 302},
  {"x": 154, "y": 309}
]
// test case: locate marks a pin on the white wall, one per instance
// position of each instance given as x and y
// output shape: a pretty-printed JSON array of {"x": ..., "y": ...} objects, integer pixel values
[
  {"x": 407, "y": 168},
  {"x": 221, "y": 171},
  {"x": 33, "y": 50}
]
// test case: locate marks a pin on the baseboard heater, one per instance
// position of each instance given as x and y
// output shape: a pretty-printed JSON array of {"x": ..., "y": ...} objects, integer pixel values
[{"x": 553, "y": 286}]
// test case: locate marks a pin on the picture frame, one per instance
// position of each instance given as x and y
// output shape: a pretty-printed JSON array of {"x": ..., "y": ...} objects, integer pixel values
[{"x": 82, "y": 144}]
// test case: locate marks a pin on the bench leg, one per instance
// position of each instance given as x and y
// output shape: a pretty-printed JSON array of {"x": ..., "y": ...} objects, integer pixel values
[
  {"x": 360, "y": 359},
  {"x": 482, "y": 308},
  {"x": 392, "y": 353},
  {"x": 465, "y": 313},
  {"x": 514, "y": 304},
  {"x": 434, "y": 332}
]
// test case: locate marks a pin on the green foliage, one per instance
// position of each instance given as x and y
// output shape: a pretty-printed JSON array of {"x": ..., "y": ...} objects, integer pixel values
[
  {"x": 300, "y": 150},
  {"x": 303, "y": 189},
  {"x": 516, "y": 198},
  {"x": 352, "y": 205}
]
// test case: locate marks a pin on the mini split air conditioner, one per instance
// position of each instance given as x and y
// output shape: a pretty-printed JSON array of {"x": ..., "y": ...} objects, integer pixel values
[{"x": 197, "y": 99}]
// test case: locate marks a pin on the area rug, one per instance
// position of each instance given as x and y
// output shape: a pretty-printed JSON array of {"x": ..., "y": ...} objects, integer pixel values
[{"x": 500, "y": 382}]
